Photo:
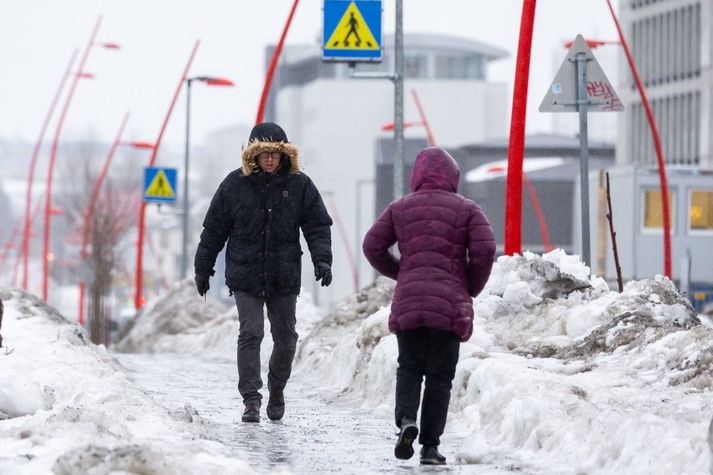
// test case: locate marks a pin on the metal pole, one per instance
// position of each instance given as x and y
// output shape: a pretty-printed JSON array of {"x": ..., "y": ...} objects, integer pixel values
[
  {"x": 139, "y": 289},
  {"x": 184, "y": 244},
  {"x": 582, "y": 102},
  {"x": 399, "y": 101}
]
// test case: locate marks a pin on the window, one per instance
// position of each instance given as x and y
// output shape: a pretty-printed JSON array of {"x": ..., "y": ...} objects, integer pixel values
[
  {"x": 653, "y": 211},
  {"x": 459, "y": 67},
  {"x": 700, "y": 210},
  {"x": 415, "y": 67}
]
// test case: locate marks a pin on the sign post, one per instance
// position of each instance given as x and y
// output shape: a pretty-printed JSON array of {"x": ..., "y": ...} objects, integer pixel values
[
  {"x": 352, "y": 33},
  {"x": 581, "y": 86}
]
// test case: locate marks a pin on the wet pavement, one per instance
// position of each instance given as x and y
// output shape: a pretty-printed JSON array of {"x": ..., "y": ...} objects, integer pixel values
[{"x": 313, "y": 438}]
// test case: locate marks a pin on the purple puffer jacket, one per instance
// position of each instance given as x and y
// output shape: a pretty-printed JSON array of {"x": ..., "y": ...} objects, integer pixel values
[{"x": 446, "y": 244}]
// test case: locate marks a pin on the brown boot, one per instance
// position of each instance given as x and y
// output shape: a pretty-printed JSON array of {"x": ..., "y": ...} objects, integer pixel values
[
  {"x": 251, "y": 413},
  {"x": 276, "y": 405}
]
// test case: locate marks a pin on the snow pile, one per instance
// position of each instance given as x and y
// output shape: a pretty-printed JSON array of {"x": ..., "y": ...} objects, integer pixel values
[
  {"x": 67, "y": 408},
  {"x": 561, "y": 375},
  {"x": 159, "y": 321},
  {"x": 183, "y": 322}
]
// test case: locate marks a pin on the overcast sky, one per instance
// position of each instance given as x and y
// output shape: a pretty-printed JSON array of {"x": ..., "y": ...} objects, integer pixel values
[{"x": 37, "y": 39}]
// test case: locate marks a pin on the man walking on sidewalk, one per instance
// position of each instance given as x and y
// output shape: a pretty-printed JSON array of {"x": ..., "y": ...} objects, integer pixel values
[
  {"x": 447, "y": 249},
  {"x": 259, "y": 209}
]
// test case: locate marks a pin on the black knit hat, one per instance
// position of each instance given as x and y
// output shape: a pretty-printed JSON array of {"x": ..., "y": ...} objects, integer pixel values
[{"x": 268, "y": 132}]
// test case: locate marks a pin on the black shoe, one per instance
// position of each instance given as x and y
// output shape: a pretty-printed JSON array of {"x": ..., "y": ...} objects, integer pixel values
[
  {"x": 251, "y": 413},
  {"x": 431, "y": 456},
  {"x": 276, "y": 405},
  {"x": 409, "y": 431}
]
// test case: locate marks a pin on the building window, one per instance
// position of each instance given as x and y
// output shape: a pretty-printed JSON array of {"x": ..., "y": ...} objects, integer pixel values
[
  {"x": 700, "y": 210},
  {"x": 415, "y": 67},
  {"x": 653, "y": 211},
  {"x": 459, "y": 67}
]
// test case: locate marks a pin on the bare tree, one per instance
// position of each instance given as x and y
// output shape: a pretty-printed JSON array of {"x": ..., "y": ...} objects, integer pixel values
[{"x": 114, "y": 214}]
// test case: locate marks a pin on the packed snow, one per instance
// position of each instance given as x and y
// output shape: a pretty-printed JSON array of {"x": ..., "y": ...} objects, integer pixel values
[
  {"x": 561, "y": 376},
  {"x": 67, "y": 408}
]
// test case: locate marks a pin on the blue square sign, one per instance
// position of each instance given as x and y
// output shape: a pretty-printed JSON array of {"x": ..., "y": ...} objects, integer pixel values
[
  {"x": 352, "y": 30},
  {"x": 159, "y": 185}
]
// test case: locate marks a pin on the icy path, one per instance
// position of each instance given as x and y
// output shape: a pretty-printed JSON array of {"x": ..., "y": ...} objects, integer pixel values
[{"x": 312, "y": 438}]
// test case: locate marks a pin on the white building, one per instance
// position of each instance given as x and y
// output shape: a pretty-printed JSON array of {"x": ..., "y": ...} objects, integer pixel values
[{"x": 336, "y": 121}]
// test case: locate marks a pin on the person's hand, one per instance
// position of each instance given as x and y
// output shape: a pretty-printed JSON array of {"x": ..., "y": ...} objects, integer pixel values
[
  {"x": 202, "y": 284},
  {"x": 323, "y": 272}
]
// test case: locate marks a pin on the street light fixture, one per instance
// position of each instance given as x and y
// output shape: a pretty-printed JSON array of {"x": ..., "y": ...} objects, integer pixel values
[
  {"x": 89, "y": 213},
  {"x": 210, "y": 81},
  {"x": 53, "y": 154},
  {"x": 138, "y": 292}
]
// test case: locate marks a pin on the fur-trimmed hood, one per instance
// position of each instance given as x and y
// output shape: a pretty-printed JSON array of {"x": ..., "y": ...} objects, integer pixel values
[{"x": 256, "y": 147}]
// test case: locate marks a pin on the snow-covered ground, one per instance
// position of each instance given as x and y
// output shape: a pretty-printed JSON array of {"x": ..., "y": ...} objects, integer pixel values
[
  {"x": 66, "y": 407},
  {"x": 562, "y": 376}
]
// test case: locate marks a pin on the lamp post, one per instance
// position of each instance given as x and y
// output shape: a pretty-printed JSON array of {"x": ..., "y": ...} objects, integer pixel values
[
  {"x": 210, "y": 81},
  {"x": 53, "y": 154},
  {"x": 138, "y": 292},
  {"x": 273, "y": 64},
  {"x": 663, "y": 181},
  {"x": 33, "y": 163},
  {"x": 89, "y": 213}
]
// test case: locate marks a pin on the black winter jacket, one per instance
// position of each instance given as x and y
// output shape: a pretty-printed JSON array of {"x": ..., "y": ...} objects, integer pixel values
[{"x": 260, "y": 216}]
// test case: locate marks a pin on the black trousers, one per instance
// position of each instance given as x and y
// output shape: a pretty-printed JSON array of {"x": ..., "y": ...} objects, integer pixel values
[
  {"x": 434, "y": 354},
  {"x": 281, "y": 314}
]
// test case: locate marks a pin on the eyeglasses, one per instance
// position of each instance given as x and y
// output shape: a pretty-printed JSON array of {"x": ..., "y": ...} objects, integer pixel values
[{"x": 267, "y": 155}]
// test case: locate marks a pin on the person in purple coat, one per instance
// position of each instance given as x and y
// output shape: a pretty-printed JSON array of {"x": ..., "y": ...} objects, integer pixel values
[{"x": 447, "y": 249}]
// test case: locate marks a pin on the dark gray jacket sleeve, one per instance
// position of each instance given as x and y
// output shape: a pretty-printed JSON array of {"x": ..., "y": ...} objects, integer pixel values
[
  {"x": 216, "y": 229},
  {"x": 315, "y": 222}
]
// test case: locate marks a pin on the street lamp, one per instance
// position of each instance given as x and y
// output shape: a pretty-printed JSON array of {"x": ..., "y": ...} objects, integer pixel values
[
  {"x": 89, "y": 213},
  {"x": 53, "y": 154},
  {"x": 138, "y": 292},
  {"x": 210, "y": 81},
  {"x": 33, "y": 163},
  {"x": 663, "y": 180}
]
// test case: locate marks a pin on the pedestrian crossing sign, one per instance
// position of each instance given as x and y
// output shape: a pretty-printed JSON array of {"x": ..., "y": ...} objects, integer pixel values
[
  {"x": 352, "y": 30},
  {"x": 159, "y": 185}
]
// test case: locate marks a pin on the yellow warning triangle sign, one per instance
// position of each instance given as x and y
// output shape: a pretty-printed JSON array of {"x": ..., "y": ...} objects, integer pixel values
[
  {"x": 352, "y": 32},
  {"x": 160, "y": 187}
]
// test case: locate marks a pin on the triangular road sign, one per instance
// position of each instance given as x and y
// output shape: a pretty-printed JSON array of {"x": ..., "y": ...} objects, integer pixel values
[
  {"x": 160, "y": 187},
  {"x": 352, "y": 32},
  {"x": 562, "y": 94}
]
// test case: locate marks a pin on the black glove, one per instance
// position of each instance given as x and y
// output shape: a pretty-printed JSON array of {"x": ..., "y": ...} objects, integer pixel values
[
  {"x": 323, "y": 272},
  {"x": 202, "y": 284}
]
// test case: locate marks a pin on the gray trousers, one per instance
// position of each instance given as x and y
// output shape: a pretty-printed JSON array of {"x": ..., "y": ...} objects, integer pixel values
[{"x": 281, "y": 314}]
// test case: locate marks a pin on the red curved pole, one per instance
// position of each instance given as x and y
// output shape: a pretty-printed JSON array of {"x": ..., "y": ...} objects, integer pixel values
[
  {"x": 9, "y": 245},
  {"x": 138, "y": 293},
  {"x": 657, "y": 145},
  {"x": 516, "y": 149},
  {"x": 538, "y": 213},
  {"x": 89, "y": 213},
  {"x": 33, "y": 164},
  {"x": 53, "y": 156},
  {"x": 273, "y": 64},
  {"x": 429, "y": 133}
]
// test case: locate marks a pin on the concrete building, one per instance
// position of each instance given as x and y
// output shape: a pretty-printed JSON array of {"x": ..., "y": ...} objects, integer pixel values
[
  {"x": 672, "y": 45},
  {"x": 336, "y": 121}
]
